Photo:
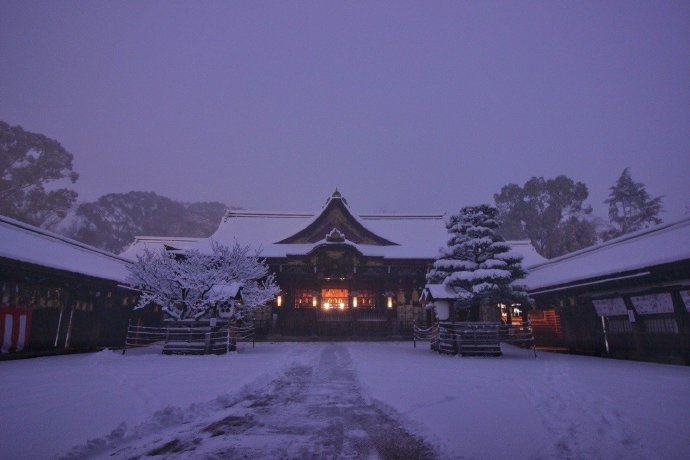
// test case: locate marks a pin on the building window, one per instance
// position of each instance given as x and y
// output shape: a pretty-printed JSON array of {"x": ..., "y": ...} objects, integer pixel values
[
  {"x": 660, "y": 326},
  {"x": 303, "y": 298},
  {"x": 618, "y": 325}
]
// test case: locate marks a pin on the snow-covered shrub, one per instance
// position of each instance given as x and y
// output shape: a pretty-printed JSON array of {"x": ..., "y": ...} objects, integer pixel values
[{"x": 186, "y": 285}]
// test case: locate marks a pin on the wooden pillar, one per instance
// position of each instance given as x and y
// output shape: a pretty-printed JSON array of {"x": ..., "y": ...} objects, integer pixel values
[
  {"x": 59, "y": 323},
  {"x": 637, "y": 328},
  {"x": 69, "y": 327},
  {"x": 682, "y": 316},
  {"x": 66, "y": 302}
]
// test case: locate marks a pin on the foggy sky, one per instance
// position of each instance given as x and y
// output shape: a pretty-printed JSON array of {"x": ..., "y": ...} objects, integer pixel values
[{"x": 405, "y": 106}]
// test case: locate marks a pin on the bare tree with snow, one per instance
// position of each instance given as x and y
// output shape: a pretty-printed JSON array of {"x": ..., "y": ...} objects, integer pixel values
[{"x": 192, "y": 284}]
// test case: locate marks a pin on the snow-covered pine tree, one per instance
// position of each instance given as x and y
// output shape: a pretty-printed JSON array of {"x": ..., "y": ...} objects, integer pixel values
[
  {"x": 478, "y": 262},
  {"x": 630, "y": 206},
  {"x": 186, "y": 286}
]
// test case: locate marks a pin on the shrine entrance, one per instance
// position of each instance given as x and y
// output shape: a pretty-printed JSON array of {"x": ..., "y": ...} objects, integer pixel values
[
  {"x": 336, "y": 281},
  {"x": 336, "y": 299}
]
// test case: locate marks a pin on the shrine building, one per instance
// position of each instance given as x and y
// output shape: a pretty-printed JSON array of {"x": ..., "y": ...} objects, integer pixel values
[{"x": 341, "y": 273}]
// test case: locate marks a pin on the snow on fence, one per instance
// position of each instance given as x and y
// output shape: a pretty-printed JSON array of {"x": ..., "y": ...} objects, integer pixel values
[
  {"x": 425, "y": 334},
  {"x": 194, "y": 338},
  {"x": 243, "y": 333},
  {"x": 475, "y": 338}
]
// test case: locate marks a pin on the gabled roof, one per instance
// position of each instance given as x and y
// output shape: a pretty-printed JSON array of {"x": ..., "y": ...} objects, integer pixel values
[
  {"x": 443, "y": 292},
  {"x": 26, "y": 243},
  {"x": 336, "y": 215},
  {"x": 662, "y": 244},
  {"x": 279, "y": 234}
]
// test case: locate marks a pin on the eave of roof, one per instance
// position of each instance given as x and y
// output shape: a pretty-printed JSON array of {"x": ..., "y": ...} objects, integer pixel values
[
  {"x": 33, "y": 245},
  {"x": 652, "y": 247}
]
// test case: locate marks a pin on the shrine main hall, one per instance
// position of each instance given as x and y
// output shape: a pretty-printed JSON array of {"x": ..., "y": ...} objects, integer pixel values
[{"x": 340, "y": 273}]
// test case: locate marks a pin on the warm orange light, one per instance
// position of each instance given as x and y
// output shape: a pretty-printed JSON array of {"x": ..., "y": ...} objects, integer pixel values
[
  {"x": 390, "y": 302},
  {"x": 354, "y": 302},
  {"x": 334, "y": 298},
  {"x": 314, "y": 301},
  {"x": 279, "y": 300}
]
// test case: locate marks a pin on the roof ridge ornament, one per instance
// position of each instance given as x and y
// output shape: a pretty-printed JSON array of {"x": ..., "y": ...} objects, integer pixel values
[
  {"x": 336, "y": 195},
  {"x": 335, "y": 236}
]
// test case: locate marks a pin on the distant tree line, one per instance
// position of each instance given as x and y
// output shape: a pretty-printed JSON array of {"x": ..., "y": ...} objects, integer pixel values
[
  {"x": 28, "y": 163},
  {"x": 32, "y": 164},
  {"x": 113, "y": 220},
  {"x": 551, "y": 213}
]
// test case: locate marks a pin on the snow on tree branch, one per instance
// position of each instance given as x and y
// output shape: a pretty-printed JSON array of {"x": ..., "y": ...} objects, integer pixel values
[
  {"x": 477, "y": 260},
  {"x": 183, "y": 284}
]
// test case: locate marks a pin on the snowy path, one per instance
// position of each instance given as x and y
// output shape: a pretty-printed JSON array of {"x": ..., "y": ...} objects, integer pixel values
[{"x": 312, "y": 410}]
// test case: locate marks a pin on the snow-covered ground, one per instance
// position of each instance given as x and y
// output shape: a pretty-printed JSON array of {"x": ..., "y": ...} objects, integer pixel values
[{"x": 343, "y": 399}]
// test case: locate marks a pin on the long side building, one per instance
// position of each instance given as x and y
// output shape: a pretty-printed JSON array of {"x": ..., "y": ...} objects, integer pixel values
[
  {"x": 58, "y": 294},
  {"x": 628, "y": 297}
]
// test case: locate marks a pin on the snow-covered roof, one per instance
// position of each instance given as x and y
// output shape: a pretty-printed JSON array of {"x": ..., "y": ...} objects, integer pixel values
[
  {"x": 658, "y": 245},
  {"x": 155, "y": 243},
  {"x": 530, "y": 256},
  {"x": 397, "y": 236},
  {"x": 226, "y": 291},
  {"x": 416, "y": 236},
  {"x": 26, "y": 243},
  {"x": 442, "y": 292}
]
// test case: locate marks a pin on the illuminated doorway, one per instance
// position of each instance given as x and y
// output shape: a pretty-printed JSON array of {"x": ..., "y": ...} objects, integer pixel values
[{"x": 335, "y": 299}]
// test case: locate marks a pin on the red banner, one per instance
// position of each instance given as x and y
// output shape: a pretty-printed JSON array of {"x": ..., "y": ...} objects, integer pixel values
[{"x": 15, "y": 324}]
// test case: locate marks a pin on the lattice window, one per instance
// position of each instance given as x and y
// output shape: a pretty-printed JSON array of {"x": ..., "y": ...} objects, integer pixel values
[
  {"x": 660, "y": 326},
  {"x": 619, "y": 325},
  {"x": 304, "y": 298}
]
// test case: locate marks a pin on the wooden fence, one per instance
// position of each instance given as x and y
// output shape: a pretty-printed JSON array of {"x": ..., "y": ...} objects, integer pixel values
[
  {"x": 196, "y": 338},
  {"x": 474, "y": 339}
]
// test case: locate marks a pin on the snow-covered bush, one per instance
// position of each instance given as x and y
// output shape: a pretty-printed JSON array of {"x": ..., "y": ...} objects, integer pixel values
[
  {"x": 186, "y": 285},
  {"x": 477, "y": 262}
]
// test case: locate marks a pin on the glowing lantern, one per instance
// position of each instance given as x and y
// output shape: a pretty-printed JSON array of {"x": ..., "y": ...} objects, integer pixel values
[
  {"x": 354, "y": 302},
  {"x": 279, "y": 301},
  {"x": 390, "y": 302}
]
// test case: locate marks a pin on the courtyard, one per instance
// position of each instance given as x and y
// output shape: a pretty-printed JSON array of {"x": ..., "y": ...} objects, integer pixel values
[{"x": 343, "y": 399}]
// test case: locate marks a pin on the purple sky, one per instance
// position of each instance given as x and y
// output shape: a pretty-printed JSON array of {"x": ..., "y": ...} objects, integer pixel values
[{"x": 405, "y": 106}]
